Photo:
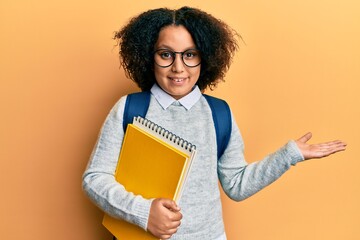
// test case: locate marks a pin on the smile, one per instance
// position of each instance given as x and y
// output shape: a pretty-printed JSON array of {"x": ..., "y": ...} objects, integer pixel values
[{"x": 177, "y": 79}]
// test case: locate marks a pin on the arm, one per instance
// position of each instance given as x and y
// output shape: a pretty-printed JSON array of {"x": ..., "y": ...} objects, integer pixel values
[
  {"x": 241, "y": 180},
  {"x": 160, "y": 216},
  {"x": 99, "y": 182}
]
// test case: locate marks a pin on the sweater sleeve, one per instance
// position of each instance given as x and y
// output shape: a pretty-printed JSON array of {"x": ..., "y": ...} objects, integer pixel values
[
  {"x": 98, "y": 179},
  {"x": 241, "y": 180}
]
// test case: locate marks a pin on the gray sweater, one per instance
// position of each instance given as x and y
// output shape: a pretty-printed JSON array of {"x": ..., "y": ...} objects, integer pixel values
[{"x": 200, "y": 202}]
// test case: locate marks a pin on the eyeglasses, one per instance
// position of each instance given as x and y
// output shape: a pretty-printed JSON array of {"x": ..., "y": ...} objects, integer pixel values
[{"x": 165, "y": 57}]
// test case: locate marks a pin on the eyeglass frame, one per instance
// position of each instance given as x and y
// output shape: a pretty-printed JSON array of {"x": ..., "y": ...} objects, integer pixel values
[{"x": 173, "y": 53}]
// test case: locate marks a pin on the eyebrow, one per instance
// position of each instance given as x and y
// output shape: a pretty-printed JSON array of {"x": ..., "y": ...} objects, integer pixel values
[{"x": 164, "y": 46}]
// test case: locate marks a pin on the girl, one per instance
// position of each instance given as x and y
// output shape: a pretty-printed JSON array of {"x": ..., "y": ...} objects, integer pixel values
[{"x": 177, "y": 54}]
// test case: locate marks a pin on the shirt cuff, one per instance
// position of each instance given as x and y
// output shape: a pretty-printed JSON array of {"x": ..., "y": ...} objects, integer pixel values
[
  {"x": 294, "y": 153},
  {"x": 142, "y": 211}
]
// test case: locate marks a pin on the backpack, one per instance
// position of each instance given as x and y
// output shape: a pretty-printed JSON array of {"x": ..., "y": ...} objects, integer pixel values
[{"x": 137, "y": 104}]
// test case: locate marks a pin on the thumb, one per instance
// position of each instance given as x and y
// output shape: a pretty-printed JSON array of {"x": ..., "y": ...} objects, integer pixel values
[
  {"x": 171, "y": 205},
  {"x": 305, "y": 138}
]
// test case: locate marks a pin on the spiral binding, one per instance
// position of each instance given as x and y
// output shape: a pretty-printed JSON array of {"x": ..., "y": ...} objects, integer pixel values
[{"x": 165, "y": 133}]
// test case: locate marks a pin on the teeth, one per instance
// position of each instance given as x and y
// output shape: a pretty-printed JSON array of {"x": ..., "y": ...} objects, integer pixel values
[{"x": 178, "y": 79}]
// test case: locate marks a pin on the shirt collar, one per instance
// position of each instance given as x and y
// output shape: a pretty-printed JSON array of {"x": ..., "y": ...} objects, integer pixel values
[{"x": 165, "y": 100}]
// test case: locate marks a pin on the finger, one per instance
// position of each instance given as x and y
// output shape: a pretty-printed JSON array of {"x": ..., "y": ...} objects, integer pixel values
[
  {"x": 324, "y": 152},
  {"x": 176, "y": 216},
  {"x": 172, "y": 230},
  {"x": 327, "y": 153},
  {"x": 169, "y": 229},
  {"x": 165, "y": 236},
  {"x": 305, "y": 138},
  {"x": 332, "y": 143},
  {"x": 171, "y": 205},
  {"x": 338, "y": 144},
  {"x": 336, "y": 148}
]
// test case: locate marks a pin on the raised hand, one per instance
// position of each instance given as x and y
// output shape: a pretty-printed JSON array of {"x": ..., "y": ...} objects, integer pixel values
[
  {"x": 164, "y": 218},
  {"x": 319, "y": 150}
]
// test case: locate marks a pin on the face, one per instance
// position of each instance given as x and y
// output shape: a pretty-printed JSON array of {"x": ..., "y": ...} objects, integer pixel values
[{"x": 177, "y": 79}]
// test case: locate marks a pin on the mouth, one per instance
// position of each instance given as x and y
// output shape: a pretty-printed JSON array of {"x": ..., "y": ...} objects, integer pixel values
[{"x": 177, "y": 79}]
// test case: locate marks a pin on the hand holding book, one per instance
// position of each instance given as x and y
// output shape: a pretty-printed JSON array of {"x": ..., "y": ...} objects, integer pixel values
[{"x": 164, "y": 218}]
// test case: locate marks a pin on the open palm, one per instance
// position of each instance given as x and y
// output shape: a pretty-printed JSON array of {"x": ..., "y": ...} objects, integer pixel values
[{"x": 319, "y": 150}]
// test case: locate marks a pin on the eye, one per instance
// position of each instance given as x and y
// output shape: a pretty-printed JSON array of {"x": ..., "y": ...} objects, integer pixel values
[
  {"x": 165, "y": 54},
  {"x": 191, "y": 54}
]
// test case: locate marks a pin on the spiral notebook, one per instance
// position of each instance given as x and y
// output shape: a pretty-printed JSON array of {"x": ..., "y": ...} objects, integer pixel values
[{"x": 153, "y": 163}]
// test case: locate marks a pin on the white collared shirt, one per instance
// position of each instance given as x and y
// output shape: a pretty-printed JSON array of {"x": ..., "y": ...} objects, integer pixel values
[{"x": 165, "y": 100}]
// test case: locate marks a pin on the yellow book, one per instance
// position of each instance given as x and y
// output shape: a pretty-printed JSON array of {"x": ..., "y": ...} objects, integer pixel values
[{"x": 153, "y": 163}]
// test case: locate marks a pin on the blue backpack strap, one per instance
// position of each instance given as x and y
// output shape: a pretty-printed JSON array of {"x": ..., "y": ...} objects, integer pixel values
[
  {"x": 136, "y": 104},
  {"x": 222, "y": 120}
]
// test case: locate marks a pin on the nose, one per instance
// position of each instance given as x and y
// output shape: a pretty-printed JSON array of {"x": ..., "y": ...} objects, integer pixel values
[{"x": 178, "y": 65}]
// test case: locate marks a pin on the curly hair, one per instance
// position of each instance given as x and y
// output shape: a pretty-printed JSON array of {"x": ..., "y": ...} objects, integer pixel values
[{"x": 213, "y": 38}]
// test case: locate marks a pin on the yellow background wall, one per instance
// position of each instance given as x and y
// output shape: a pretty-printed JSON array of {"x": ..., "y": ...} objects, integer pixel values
[{"x": 298, "y": 71}]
